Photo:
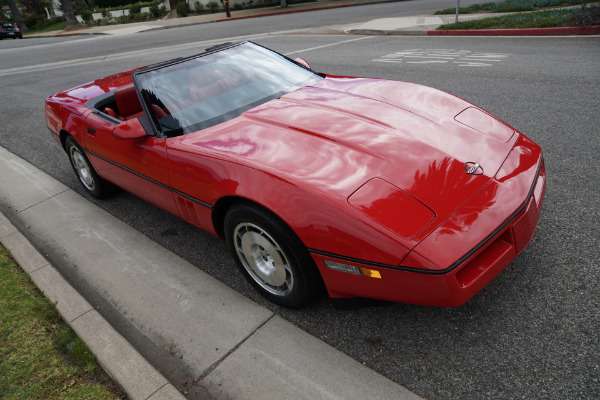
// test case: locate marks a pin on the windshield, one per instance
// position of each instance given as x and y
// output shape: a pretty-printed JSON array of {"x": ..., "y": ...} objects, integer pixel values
[{"x": 209, "y": 89}]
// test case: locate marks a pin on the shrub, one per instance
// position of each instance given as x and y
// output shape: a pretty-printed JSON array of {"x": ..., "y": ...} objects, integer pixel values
[
  {"x": 154, "y": 10},
  {"x": 198, "y": 7},
  {"x": 546, "y": 3},
  {"x": 31, "y": 20},
  {"x": 238, "y": 6},
  {"x": 487, "y": 6},
  {"x": 514, "y": 6},
  {"x": 183, "y": 9},
  {"x": 45, "y": 23},
  {"x": 114, "y": 3},
  {"x": 213, "y": 6},
  {"x": 586, "y": 16},
  {"x": 135, "y": 9},
  {"x": 141, "y": 17},
  {"x": 86, "y": 15}
]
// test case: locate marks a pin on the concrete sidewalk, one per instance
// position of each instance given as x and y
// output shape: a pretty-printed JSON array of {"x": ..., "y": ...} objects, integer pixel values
[
  {"x": 230, "y": 347},
  {"x": 413, "y": 25},
  {"x": 428, "y": 24},
  {"x": 122, "y": 29}
]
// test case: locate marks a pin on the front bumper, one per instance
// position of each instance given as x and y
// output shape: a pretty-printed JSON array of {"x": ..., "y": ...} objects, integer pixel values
[{"x": 464, "y": 277}]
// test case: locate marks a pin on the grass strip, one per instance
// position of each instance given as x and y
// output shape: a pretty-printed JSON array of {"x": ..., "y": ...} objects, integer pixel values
[
  {"x": 537, "y": 19},
  {"x": 512, "y": 6},
  {"x": 40, "y": 356},
  {"x": 59, "y": 26}
]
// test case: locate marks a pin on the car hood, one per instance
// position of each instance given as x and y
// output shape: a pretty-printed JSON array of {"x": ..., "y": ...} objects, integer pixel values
[{"x": 336, "y": 136}]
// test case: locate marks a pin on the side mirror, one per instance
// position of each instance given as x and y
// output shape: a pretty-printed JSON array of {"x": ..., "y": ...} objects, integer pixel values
[
  {"x": 302, "y": 61},
  {"x": 129, "y": 130}
]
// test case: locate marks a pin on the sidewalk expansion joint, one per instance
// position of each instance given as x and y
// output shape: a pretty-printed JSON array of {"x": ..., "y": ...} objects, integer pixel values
[
  {"x": 42, "y": 201},
  {"x": 210, "y": 369},
  {"x": 16, "y": 233},
  {"x": 39, "y": 268},
  {"x": 158, "y": 390},
  {"x": 85, "y": 313}
]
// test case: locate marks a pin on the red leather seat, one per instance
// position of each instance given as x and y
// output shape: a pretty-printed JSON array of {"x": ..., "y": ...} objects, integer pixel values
[
  {"x": 112, "y": 113},
  {"x": 158, "y": 112},
  {"x": 205, "y": 85},
  {"x": 128, "y": 103}
]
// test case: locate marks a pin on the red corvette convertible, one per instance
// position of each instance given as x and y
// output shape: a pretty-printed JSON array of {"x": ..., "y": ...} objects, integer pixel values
[{"x": 360, "y": 187}]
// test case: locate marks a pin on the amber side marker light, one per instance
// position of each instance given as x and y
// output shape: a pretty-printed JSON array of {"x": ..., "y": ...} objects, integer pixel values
[{"x": 351, "y": 269}]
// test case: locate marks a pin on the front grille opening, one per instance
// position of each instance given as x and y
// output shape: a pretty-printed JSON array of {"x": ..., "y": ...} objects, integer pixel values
[{"x": 495, "y": 253}]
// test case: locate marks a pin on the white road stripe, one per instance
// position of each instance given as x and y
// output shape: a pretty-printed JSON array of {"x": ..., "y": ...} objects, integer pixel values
[
  {"x": 328, "y": 45},
  {"x": 134, "y": 54},
  {"x": 201, "y": 45}
]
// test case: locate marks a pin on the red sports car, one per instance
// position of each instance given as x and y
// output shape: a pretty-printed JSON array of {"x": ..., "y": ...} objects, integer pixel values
[{"x": 360, "y": 187}]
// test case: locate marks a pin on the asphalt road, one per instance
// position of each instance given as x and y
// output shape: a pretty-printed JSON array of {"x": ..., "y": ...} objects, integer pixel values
[{"x": 534, "y": 331}]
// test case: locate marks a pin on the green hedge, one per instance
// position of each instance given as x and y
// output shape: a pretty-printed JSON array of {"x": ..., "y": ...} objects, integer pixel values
[
  {"x": 183, "y": 9},
  {"x": 115, "y": 3}
]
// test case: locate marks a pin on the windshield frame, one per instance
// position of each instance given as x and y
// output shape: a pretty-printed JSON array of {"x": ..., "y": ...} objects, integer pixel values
[{"x": 139, "y": 75}]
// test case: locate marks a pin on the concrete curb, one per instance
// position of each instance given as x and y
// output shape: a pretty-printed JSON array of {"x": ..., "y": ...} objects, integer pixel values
[
  {"x": 66, "y": 35},
  {"x": 559, "y": 31},
  {"x": 118, "y": 358},
  {"x": 230, "y": 347},
  {"x": 386, "y": 32},
  {"x": 283, "y": 12},
  {"x": 160, "y": 28}
]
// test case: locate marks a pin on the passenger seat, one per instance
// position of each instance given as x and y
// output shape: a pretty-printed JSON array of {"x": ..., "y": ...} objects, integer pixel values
[{"x": 128, "y": 103}]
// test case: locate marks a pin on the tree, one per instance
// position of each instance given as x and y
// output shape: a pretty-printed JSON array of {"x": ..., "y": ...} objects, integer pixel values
[
  {"x": 17, "y": 16},
  {"x": 72, "y": 22},
  {"x": 36, "y": 7}
]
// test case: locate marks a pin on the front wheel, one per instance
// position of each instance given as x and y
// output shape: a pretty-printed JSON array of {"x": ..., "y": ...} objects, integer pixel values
[
  {"x": 88, "y": 177},
  {"x": 271, "y": 256}
]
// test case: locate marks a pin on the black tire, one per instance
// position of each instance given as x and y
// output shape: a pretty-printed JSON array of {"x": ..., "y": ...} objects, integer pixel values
[
  {"x": 89, "y": 179},
  {"x": 271, "y": 256}
]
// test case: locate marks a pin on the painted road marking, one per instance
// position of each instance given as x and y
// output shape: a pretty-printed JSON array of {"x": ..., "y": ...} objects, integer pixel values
[
  {"x": 327, "y": 45},
  {"x": 463, "y": 58},
  {"x": 195, "y": 46}
]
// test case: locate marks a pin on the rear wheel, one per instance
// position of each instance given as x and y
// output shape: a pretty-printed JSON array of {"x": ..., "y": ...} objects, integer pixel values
[
  {"x": 88, "y": 177},
  {"x": 271, "y": 256}
]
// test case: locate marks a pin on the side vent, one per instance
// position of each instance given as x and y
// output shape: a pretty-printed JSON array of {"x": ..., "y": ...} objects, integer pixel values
[{"x": 188, "y": 210}]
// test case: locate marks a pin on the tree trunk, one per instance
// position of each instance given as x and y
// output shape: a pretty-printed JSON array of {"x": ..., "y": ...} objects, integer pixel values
[
  {"x": 72, "y": 22},
  {"x": 16, "y": 14},
  {"x": 283, "y": 3}
]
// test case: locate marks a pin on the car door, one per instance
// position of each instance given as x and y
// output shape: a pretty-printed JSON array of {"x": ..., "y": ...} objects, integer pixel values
[{"x": 139, "y": 166}]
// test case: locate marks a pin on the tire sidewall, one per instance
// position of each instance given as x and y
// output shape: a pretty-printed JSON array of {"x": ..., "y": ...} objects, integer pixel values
[
  {"x": 98, "y": 184},
  {"x": 295, "y": 252}
]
